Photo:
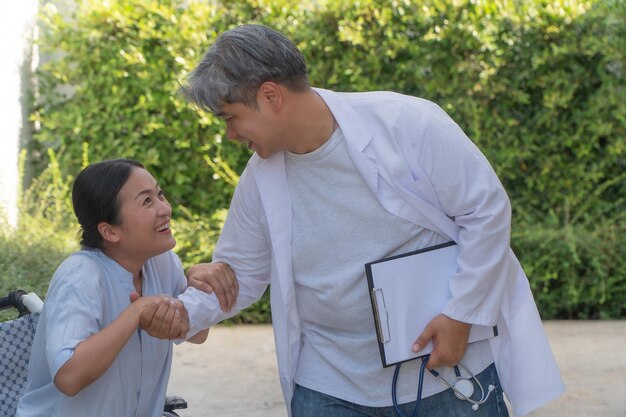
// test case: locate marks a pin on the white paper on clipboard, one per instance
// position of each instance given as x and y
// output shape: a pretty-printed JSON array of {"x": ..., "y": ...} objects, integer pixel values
[{"x": 409, "y": 290}]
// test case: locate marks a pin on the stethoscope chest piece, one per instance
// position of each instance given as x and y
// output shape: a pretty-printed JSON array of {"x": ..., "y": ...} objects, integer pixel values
[{"x": 463, "y": 389}]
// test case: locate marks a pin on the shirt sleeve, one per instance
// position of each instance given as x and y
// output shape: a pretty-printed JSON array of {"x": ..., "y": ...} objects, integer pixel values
[
  {"x": 471, "y": 194},
  {"x": 243, "y": 245},
  {"x": 73, "y": 311}
]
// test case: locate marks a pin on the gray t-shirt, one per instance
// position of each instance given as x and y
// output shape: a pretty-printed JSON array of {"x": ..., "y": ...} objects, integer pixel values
[{"x": 338, "y": 226}]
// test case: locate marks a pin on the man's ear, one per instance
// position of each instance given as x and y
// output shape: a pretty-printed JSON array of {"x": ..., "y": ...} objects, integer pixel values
[
  {"x": 108, "y": 232},
  {"x": 271, "y": 94}
]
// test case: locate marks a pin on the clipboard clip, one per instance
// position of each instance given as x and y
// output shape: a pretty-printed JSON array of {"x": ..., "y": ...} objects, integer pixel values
[{"x": 382, "y": 322}]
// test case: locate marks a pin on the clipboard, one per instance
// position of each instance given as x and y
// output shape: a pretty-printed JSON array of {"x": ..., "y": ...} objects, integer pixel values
[{"x": 409, "y": 290}]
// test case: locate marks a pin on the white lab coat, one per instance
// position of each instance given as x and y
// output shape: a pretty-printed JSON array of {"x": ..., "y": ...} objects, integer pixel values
[{"x": 384, "y": 132}]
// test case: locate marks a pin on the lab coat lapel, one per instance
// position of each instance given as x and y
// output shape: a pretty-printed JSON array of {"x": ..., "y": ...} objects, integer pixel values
[
  {"x": 357, "y": 134},
  {"x": 271, "y": 178},
  {"x": 403, "y": 192}
]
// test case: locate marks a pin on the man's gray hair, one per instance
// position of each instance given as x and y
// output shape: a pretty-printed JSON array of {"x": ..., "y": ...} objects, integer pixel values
[{"x": 239, "y": 61}]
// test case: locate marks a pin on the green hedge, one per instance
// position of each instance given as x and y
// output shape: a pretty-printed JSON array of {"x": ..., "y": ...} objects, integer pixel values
[
  {"x": 538, "y": 85},
  {"x": 115, "y": 87},
  {"x": 45, "y": 234}
]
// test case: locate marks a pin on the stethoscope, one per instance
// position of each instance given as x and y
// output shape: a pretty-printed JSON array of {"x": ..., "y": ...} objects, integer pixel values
[{"x": 463, "y": 388}]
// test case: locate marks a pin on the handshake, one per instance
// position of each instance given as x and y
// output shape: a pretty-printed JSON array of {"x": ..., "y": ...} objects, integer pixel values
[
  {"x": 165, "y": 317},
  {"x": 162, "y": 316}
]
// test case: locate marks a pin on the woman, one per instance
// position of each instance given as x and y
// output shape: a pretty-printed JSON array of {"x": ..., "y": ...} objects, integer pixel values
[{"x": 89, "y": 357}]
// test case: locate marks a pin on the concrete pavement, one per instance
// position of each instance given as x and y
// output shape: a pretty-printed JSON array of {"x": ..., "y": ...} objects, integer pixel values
[{"x": 233, "y": 374}]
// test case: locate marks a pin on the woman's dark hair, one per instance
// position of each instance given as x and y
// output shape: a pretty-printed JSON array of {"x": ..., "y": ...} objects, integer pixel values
[{"x": 95, "y": 196}]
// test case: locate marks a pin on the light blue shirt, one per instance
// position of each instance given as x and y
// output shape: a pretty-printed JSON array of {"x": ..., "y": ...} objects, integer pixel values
[{"x": 88, "y": 291}]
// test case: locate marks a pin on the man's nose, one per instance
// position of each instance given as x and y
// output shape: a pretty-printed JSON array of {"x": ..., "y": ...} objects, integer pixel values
[{"x": 231, "y": 133}]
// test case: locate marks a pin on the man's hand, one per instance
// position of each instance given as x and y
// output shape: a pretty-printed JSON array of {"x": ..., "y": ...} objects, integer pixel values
[
  {"x": 218, "y": 278},
  {"x": 162, "y": 317},
  {"x": 449, "y": 339}
]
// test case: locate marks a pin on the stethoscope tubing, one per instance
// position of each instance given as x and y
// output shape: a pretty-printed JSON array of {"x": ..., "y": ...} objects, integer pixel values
[
  {"x": 420, "y": 384},
  {"x": 461, "y": 396}
]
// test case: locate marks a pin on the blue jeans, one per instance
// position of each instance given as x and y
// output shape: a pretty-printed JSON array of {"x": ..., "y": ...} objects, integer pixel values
[{"x": 309, "y": 403}]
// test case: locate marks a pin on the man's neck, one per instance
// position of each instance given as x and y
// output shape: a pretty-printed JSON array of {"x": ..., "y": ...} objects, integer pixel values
[{"x": 311, "y": 122}]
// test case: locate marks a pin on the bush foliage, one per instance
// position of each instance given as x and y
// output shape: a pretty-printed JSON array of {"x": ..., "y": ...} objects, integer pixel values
[{"x": 538, "y": 85}]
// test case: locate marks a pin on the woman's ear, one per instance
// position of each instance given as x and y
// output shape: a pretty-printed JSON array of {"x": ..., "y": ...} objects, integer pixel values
[{"x": 108, "y": 232}]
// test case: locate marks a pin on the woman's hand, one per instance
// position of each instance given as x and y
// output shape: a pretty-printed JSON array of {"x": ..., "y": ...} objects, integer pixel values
[{"x": 161, "y": 316}]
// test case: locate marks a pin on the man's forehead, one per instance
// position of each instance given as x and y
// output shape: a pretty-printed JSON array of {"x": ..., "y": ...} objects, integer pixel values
[
  {"x": 224, "y": 109},
  {"x": 228, "y": 109}
]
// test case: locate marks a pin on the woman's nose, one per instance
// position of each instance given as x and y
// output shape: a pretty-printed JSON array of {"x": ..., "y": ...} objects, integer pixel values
[{"x": 165, "y": 209}]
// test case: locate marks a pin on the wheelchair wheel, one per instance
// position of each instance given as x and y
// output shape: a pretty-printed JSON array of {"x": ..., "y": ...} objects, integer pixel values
[{"x": 172, "y": 403}]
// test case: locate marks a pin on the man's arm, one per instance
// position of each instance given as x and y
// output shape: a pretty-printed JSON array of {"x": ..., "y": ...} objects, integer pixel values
[
  {"x": 471, "y": 194},
  {"x": 242, "y": 253},
  {"x": 210, "y": 278},
  {"x": 199, "y": 337}
]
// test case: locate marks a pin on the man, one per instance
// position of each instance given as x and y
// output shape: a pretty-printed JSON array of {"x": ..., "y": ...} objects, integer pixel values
[{"x": 339, "y": 180}]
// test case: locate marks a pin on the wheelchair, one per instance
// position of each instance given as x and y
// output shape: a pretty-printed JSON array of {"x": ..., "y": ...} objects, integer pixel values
[{"x": 16, "y": 339}]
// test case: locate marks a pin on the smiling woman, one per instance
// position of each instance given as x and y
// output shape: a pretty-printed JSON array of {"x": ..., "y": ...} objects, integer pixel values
[
  {"x": 136, "y": 225},
  {"x": 89, "y": 357}
]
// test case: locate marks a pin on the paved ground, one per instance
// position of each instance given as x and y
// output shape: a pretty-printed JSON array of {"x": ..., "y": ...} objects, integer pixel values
[{"x": 234, "y": 374}]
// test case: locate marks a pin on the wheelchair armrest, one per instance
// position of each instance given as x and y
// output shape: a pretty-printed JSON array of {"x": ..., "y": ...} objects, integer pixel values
[{"x": 174, "y": 403}]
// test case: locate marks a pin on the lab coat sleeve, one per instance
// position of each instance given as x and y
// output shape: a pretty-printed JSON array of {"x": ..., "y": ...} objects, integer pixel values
[
  {"x": 244, "y": 246},
  {"x": 470, "y": 193}
]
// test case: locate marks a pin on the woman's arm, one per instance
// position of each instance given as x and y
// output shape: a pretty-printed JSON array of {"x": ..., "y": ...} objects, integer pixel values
[{"x": 93, "y": 356}]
